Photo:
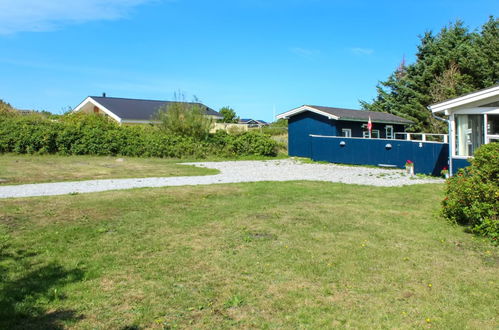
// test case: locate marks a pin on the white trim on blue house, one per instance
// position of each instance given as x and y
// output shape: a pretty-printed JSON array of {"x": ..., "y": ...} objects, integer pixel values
[{"x": 304, "y": 108}]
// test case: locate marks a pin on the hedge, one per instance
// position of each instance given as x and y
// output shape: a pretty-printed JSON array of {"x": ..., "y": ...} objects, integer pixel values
[
  {"x": 96, "y": 135},
  {"x": 472, "y": 196}
]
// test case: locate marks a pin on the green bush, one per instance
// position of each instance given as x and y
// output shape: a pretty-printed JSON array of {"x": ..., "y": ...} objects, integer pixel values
[
  {"x": 80, "y": 134},
  {"x": 184, "y": 119},
  {"x": 252, "y": 143},
  {"x": 472, "y": 196}
]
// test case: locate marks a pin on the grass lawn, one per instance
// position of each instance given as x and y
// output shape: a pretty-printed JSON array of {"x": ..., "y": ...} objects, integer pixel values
[
  {"x": 254, "y": 255},
  {"x": 19, "y": 169}
]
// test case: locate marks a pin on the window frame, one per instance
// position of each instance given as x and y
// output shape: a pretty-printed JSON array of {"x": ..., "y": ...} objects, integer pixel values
[
  {"x": 489, "y": 137},
  {"x": 346, "y": 130},
  {"x": 392, "y": 133},
  {"x": 467, "y": 136}
]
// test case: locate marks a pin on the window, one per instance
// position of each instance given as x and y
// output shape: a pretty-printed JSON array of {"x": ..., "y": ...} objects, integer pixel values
[
  {"x": 346, "y": 132},
  {"x": 374, "y": 134},
  {"x": 389, "y": 132},
  {"x": 492, "y": 128},
  {"x": 469, "y": 134}
]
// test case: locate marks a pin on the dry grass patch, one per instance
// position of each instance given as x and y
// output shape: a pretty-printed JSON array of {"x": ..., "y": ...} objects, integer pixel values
[{"x": 22, "y": 169}]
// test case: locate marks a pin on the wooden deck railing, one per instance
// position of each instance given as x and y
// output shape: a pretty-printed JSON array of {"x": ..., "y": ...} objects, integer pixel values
[{"x": 424, "y": 137}]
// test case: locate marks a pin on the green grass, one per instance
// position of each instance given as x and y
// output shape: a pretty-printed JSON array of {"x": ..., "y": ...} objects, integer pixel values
[
  {"x": 257, "y": 255},
  {"x": 19, "y": 169}
]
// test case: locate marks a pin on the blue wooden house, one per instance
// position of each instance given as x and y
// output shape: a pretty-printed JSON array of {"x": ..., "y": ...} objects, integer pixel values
[{"x": 309, "y": 120}]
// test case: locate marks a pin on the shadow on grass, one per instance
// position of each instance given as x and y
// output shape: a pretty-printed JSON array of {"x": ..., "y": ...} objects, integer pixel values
[{"x": 25, "y": 287}]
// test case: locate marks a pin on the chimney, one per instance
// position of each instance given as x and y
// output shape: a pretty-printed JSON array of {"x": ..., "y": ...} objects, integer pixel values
[{"x": 103, "y": 94}]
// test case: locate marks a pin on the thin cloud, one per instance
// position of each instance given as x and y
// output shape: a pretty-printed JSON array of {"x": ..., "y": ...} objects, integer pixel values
[
  {"x": 362, "y": 51},
  {"x": 46, "y": 15},
  {"x": 304, "y": 52}
]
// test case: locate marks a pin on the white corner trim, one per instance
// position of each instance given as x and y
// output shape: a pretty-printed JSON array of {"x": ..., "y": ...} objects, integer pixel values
[
  {"x": 469, "y": 98},
  {"x": 100, "y": 106},
  {"x": 304, "y": 108}
]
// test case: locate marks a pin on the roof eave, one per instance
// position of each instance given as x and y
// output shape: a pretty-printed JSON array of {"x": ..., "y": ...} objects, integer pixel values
[
  {"x": 379, "y": 121},
  {"x": 303, "y": 108},
  {"x": 465, "y": 99}
]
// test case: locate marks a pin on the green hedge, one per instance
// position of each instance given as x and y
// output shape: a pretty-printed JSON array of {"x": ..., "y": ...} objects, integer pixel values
[
  {"x": 472, "y": 196},
  {"x": 96, "y": 135}
]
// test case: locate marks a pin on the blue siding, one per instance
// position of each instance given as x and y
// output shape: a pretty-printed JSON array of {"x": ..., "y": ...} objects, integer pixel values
[
  {"x": 301, "y": 126},
  {"x": 458, "y": 163},
  {"x": 428, "y": 158}
]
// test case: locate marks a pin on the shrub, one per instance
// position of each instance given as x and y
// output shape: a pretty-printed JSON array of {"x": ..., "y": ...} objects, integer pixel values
[
  {"x": 6, "y": 109},
  {"x": 472, "y": 196},
  {"x": 185, "y": 119},
  {"x": 274, "y": 130},
  {"x": 244, "y": 143},
  {"x": 80, "y": 134},
  {"x": 252, "y": 143}
]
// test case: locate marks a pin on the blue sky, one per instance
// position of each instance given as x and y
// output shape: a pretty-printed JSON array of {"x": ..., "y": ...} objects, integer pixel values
[{"x": 252, "y": 55}]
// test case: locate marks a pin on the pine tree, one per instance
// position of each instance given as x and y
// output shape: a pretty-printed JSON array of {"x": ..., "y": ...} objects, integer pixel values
[{"x": 451, "y": 63}]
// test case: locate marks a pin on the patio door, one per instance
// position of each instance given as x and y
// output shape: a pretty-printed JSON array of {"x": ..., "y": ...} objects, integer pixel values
[{"x": 469, "y": 134}]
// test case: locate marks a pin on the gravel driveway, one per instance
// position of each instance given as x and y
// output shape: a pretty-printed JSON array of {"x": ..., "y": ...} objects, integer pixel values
[{"x": 230, "y": 172}]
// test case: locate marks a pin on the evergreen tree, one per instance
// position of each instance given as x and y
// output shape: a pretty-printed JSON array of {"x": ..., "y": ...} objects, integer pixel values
[{"x": 449, "y": 64}]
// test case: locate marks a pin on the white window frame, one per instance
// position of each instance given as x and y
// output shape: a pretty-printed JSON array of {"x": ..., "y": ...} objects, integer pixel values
[
  {"x": 489, "y": 137},
  {"x": 365, "y": 134},
  {"x": 455, "y": 129},
  {"x": 391, "y": 135},
  {"x": 375, "y": 132},
  {"x": 346, "y": 132}
]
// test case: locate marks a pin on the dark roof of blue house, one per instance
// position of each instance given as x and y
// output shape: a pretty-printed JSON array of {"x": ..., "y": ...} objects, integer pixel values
[
  {"x": 350, "y": 114},
  {"x": 136, "y": 109},
  {"x": 247, "y": 120}
]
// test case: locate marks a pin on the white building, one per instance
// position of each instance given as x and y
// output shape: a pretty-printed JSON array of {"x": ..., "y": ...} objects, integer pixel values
[{"x": 473, "y": 121}]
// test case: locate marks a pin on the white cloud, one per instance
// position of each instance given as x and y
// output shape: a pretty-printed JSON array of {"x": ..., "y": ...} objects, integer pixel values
[
  {"x": 361, "y": 51},
  {"x": 45, "y": 15},
  {"x": 304, "y": 52}
]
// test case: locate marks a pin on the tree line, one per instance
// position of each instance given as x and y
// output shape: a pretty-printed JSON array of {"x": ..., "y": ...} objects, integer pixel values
[{"x": 453, "y": 62}]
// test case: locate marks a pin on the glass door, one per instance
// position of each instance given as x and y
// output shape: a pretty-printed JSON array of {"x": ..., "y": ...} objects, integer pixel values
[
  {"x": 469, "y": 134},
  {"x": 492, "y": 128}
]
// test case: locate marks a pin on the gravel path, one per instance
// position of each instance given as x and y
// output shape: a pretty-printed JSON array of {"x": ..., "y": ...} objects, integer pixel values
[{"x": 230, "y": 172}]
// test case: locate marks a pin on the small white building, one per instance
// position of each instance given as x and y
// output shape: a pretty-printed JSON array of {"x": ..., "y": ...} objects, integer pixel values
[{"x": 473, "y": 121}]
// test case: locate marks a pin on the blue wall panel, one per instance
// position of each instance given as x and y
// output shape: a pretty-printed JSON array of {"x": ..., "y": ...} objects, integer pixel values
[
  {"x": 428, "y": 158},
  {"x": 301, "y": 126},
  {"x": 458, "y": 163}
]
